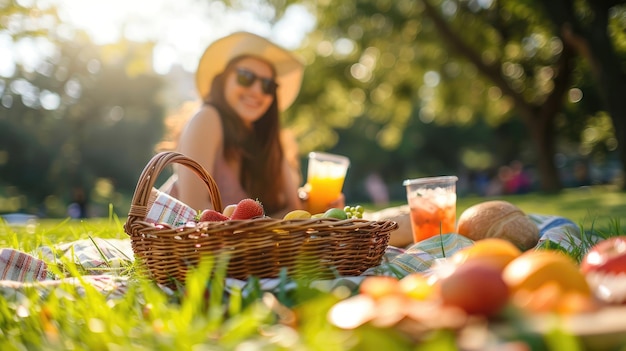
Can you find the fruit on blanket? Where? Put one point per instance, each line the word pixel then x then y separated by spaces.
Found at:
pixel 297 214
pixel 604 267
pixel 417 286
pixel 533 269
pixel 551 298
pixel 228 210
pixel 211 216
pixel 476 288
pixel 379 286
pixel 352 312
pixel 498 219
pixel 248 209
pixel 496 252
pixel 607 256
pixel 335 213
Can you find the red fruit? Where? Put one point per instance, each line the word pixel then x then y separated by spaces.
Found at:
pixel 211 216
pixel 247 209
pixel 607 256
pixel 476 288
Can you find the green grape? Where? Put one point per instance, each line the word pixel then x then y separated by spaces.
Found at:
pixel 354 211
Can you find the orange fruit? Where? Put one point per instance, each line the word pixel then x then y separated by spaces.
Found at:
pixel 549 297
pixel 417 286
pixel 543 299
pixel 534 269
pixel 493 252
pixel 380 286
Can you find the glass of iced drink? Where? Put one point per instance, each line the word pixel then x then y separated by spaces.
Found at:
pixel 432 201
pixel 325 176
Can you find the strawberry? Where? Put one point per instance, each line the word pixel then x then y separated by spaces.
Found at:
pixel 211 216
pixel 247 209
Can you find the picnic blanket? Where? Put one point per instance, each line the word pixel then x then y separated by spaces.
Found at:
pixel 103 260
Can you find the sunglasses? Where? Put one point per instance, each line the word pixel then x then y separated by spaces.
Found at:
pixel 246 78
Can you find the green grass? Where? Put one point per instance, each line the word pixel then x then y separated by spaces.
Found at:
pixel 586 206
pixel 204 317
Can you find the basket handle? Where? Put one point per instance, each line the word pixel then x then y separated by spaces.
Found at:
pixel 139 204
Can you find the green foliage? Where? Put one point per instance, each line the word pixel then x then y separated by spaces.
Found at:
pixel 454 63
pixel 105 126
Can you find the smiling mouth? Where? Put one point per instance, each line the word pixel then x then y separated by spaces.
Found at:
pixel 251 102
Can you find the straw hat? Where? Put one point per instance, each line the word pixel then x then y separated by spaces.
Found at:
pixel 288 68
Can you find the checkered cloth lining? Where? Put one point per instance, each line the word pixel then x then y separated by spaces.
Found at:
pixel 164 208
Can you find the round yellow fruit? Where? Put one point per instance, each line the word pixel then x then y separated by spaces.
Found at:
pixel 417 286
pixel 228 210
pixel 297 214
pixel 534 269
pixel 495 252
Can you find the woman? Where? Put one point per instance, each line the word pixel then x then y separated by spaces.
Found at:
pixel 244 81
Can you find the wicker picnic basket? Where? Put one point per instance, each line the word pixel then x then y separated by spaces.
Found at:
pixel 313 248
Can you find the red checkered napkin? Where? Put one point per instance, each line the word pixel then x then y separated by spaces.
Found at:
pixel 167 209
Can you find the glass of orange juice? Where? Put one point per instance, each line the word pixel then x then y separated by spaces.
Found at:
pixel 432 201
pixel 325 176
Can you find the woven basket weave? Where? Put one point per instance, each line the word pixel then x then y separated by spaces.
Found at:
pixel 314 248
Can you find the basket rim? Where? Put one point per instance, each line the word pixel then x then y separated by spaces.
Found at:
pixel 261 224
pixel 146 182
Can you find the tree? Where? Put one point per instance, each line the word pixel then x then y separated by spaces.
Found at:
pixel 455 62
pixel 80 114
pixel 595 29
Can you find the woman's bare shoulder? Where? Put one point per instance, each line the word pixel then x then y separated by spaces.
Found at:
pixel 205 121
pixel 204 128
pixel 206 114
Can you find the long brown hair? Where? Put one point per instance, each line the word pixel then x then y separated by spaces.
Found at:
pixel 260 148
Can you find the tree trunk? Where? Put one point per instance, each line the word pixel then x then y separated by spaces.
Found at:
pixel 543 135
pixel 540 122
pixel 538 119
pixel 592 42
pixel 609 75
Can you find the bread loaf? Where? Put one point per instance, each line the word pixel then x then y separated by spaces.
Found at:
pixel 401 237
pixel 498 219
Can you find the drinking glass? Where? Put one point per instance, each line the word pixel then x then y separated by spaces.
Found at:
pixel 325 176
pixel 432 201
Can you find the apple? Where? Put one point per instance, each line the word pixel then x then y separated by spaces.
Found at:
pixel 476 288
pixel 608 256
pixel 604 267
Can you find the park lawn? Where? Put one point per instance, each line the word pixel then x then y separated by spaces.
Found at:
pixel 146 318
pixel 586 206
